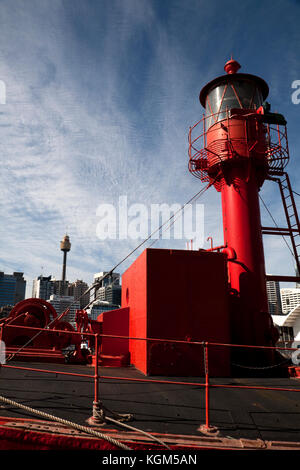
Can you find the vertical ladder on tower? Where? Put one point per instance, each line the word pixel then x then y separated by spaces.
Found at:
pixel 291 214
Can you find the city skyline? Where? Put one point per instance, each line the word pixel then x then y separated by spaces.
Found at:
pixel 99 99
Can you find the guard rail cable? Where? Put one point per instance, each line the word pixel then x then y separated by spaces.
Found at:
pixel 262 367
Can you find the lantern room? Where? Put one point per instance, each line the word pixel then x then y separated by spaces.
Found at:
pixel 236 126
pixel 232 91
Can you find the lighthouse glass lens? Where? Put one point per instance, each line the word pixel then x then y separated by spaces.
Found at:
pixel 249 96
pixel 242 94
pixel 214 99
pixel 220 99
pixel 230 100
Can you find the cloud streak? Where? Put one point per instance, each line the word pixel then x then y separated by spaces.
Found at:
pixel 100 96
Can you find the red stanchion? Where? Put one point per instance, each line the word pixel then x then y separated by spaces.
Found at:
pixel 97 418
pixel 207 428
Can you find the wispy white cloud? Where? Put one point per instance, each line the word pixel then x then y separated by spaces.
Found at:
pixel 100 96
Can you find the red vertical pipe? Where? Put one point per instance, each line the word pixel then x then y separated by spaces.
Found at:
pixel 205 351
pixel 96 376
pixel 242 231
pixel 1 336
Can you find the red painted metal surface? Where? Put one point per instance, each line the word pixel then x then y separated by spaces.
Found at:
pixel 31 434
pixel 115 322
pixel 175 298
pixel 242 232
pixel 134 296
pixel 96 375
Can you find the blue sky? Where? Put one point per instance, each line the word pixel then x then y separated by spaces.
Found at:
pixel 100 97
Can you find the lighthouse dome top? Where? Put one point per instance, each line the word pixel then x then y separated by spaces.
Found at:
pixel 231 66
pixel 232 78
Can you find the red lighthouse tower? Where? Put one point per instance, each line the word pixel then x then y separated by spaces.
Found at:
pixel 241 144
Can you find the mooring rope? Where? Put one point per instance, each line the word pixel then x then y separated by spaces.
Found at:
pixel 76 426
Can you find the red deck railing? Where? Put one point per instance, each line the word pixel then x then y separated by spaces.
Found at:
pixel 207 383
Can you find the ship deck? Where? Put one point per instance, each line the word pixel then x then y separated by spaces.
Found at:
pixel 164 408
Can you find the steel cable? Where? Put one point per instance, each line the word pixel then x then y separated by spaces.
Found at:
pixel 132 428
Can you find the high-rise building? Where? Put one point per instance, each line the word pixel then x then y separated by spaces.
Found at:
pixel 109 289
pixel 290 298
pixel 62 302
pixel 77 289
pixel 60 287
pixel 5 310
pixel 274 299
pixel 43 287
pixel 100 306
pixel 12 288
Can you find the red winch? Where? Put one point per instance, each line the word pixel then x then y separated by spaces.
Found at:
pixel 34 331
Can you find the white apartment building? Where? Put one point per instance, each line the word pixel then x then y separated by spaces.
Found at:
pixel 290 298
pixel 289 327
pixel 62 302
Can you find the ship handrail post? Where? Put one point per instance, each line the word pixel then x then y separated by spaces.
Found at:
pixel 1 346
pixel 96 376
pixel 207 428
pixel 97 417
pixel 205 351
